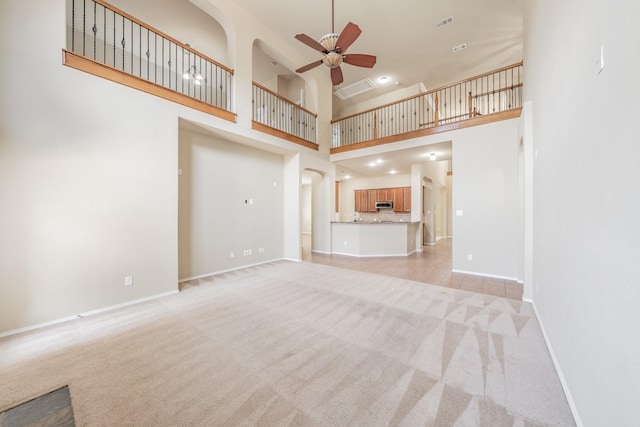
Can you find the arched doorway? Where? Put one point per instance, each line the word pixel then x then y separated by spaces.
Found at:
pixel 313 196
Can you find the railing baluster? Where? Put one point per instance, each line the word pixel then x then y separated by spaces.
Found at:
pixel 84 25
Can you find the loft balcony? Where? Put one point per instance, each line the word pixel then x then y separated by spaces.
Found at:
pixel 489 97
pixel 108 42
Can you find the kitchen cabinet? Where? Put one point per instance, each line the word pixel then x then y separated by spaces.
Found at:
pixel 407 199
pixel 357 203
pixel 398 199
pixel 365 200
pixel 373 198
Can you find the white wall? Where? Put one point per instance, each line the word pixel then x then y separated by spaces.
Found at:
pixel 231 199
pixel 88 182
pixel 203 33
pixel 485 188
pixel 88 176
pixel 587 198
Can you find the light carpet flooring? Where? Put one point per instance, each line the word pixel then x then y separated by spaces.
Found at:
pixel 296 344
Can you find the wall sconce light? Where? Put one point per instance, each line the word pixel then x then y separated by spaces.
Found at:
pixel 432 156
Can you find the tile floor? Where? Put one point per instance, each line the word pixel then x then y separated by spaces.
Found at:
pixel 432 266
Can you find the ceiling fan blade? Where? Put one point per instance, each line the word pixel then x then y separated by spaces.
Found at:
pixel 309 66
pixel 360 60
pixel 348 36
pixel 311 42
pixel 336 76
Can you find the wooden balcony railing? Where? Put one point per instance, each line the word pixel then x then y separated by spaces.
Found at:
pixel 105 41
pixel 495 95
pixel 278 116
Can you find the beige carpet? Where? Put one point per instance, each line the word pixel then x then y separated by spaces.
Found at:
pixel 296 344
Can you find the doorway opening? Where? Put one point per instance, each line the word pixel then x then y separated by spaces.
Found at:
pixel 311 199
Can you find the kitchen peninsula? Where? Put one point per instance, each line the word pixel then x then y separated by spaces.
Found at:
pixel 374 238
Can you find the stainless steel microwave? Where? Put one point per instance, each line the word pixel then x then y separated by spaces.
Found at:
pixel 384 205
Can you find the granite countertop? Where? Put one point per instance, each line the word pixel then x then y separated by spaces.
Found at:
pixel 374 222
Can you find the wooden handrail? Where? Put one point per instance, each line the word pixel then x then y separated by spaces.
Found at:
pixel 160 33
pixel 431 91
pixel 282 98
pixel 504 89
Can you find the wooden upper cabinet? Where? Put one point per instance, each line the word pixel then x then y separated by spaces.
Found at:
pixel 407 199
pixel 357 205
pixel 398 199
pixel 365 200
pixel 373 198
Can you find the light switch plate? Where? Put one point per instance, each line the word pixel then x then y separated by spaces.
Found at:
pixel 459 212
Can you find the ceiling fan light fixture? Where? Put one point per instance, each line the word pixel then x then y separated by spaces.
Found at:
pixel 332 59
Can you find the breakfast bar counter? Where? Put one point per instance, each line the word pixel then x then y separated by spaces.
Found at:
pixel 374 239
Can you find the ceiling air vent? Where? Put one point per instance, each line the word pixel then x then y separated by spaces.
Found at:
pixel 460 47
pixel 446 21
pixel 354 89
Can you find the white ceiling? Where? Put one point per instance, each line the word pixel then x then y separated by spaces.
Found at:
pixel 404 37
pixel 399 161
pixel 410 49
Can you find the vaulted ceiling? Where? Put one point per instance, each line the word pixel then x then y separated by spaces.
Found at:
pixel 403 34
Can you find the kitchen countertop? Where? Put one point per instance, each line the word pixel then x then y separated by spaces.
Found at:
pixel 374 222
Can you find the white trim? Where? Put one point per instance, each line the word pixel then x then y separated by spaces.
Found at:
pixel 202 276
pixel 306 232
pixel 291 259
pixel 494 276
pixel 565 386
pixel 374 255
pixel 321 252
pixel 85 314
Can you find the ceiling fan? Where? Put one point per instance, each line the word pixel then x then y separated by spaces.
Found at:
pixel 334 47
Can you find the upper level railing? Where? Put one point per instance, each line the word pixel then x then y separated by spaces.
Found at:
pixel 493 92
pixel 108 36
pixel 283 116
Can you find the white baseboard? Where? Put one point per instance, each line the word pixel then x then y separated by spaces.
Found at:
pixel 565 386
pixel 493 276
pixel 202 276
pixel 85 314
pixel 320 252
pixel 373 256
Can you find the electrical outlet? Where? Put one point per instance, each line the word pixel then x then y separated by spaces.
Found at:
pixel 261 250
pixel 469 257
pixel 246 252
pixel 128 280
pixel 231 255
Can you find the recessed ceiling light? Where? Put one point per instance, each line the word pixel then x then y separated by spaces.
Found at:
pixel 379 161
pixel 372 164
pixel 346 177
pixel 393 171
pixel 383 79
